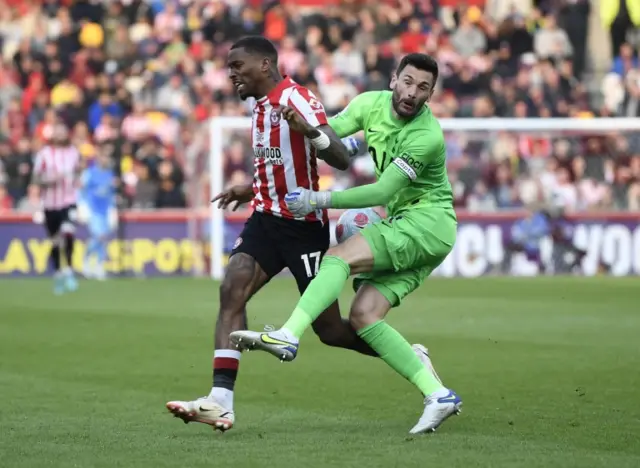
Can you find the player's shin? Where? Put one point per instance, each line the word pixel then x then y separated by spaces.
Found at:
pixel 398 354
pixel 69 243
pixel 321 292
pixel 88 255
pixel 101 251
pixel 54 256
pixel 341 334
pixel 92 248
pixel 101 257
pixel 71 284
pixel 225 371
pixel 242 279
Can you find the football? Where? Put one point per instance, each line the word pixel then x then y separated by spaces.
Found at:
pixel 351 221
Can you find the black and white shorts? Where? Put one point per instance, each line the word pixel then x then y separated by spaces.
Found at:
pixel 279 243
pixel 60 221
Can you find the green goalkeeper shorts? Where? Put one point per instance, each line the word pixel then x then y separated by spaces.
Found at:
pixel 406 249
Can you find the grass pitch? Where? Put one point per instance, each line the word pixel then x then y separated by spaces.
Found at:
pixel 549 370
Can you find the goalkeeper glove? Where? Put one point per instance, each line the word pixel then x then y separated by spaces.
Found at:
pixel 352 146
pixel 302 201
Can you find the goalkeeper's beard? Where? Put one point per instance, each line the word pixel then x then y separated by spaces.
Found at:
pixel 396 100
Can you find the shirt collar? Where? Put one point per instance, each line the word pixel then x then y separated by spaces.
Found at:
pixel 275 92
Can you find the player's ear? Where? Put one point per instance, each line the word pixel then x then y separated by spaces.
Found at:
pixel 266 65
pixel 394 80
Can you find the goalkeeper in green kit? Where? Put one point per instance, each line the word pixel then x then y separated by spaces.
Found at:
pixel 393 257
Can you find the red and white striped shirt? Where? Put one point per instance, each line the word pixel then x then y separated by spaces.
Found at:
pixel 52 162
pixel 284 159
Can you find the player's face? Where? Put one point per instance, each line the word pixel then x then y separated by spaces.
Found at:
pixel 411 89
pixel 246 71
pixel 60 134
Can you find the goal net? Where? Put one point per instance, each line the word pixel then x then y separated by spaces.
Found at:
pixel 499 169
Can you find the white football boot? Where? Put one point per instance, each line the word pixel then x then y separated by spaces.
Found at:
pixel 203 410
pixel 438 407
pixel 88 270
pixel 99 273
pixel 281 344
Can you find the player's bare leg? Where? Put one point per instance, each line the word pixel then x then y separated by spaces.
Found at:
pixel 335 331
pixel 243 279
pixel 68 233
pixel 354 254
pixel 54 258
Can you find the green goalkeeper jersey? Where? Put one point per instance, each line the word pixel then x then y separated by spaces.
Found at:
pixel 415 147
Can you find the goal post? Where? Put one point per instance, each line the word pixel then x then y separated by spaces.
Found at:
pixel 216 171
pixel 222 127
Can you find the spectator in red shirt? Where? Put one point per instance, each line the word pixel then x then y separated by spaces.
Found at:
pixel 6 202
pixel 414 39
pixel 14 122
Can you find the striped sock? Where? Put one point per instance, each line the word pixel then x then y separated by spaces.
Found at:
pixel 225 372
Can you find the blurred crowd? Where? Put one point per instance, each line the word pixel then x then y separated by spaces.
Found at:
pixel 139 79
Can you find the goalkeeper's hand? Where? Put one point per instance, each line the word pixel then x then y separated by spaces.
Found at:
pixel 352 146
pixel 302 201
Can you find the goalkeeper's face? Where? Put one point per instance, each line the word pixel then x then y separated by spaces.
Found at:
pixel 412 88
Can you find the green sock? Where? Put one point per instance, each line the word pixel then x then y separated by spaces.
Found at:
pixel 398 354
pixel 320 294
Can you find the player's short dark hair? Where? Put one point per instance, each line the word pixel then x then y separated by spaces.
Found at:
pixel 421 62
pixel 259 46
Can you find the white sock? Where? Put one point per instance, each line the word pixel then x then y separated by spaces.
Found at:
pixel 224 396
pixel 66 270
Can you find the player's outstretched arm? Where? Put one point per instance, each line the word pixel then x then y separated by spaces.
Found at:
pixel 302 201
pixel 379 193
pixel 415 156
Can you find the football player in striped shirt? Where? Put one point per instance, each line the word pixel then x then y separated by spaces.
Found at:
pixel 56 170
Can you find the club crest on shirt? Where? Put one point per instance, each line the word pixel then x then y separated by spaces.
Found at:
pixel 315 104
pixel 275 118
pixel 237 243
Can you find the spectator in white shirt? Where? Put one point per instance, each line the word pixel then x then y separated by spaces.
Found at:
pixel 168 22
pixel 290 58
pixel 468 40
pixel 550 41
pixel 348 62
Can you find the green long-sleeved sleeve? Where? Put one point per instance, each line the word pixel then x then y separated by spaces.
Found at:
pixel 377 194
